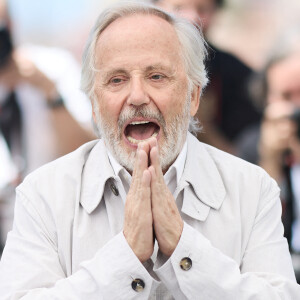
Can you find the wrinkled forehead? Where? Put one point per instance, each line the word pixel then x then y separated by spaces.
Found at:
pixel 139 22
pixel 138 33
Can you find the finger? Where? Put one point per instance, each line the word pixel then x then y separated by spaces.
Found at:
pixel 136 162
pixel 155 162
pixel 157 189
pixel 145 146
pixel 146 190
pixel 141 164
pixel 152 142
pixel 146 181
pixel 152 172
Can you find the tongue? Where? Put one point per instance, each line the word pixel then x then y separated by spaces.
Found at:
pixel 141 131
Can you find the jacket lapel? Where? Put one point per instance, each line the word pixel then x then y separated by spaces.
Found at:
pixel 96 172
pixel 203 185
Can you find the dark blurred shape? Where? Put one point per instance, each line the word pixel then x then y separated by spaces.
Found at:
pixel 6 46
pixel 296 118
pixel 10 119
pixel 229 79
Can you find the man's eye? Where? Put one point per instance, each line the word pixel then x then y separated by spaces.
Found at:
pixel 157 77
pixel 116 80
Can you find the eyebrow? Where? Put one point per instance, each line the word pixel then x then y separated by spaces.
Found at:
pixel 150 68
pixel 168 70
pixel 110 73
pixel 155 67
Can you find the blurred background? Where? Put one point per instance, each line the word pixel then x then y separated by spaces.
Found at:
pixel 246 28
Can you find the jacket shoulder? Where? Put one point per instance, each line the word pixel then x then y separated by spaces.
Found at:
pixel 238 172
pixel 67 168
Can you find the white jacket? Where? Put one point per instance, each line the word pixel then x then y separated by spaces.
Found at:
pixel 67 240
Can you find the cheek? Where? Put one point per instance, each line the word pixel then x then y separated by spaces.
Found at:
pixel 109 108
pixel 173 100
pixel 179 98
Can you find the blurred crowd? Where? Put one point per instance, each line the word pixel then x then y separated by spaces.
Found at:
pixel 252 114
pixel 43 114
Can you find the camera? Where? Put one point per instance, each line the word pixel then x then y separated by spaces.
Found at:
pixel 296 118
pixel 6 46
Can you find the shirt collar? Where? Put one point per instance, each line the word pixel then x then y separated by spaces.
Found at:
pixel 116 166
pixel 176 167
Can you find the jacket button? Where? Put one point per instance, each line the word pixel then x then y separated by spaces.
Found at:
pixel 114 189
pixel 138 285
pixel 186 263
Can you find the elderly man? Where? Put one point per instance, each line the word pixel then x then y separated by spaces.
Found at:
pixel 147 212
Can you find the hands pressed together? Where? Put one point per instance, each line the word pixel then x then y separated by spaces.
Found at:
pixel 150 210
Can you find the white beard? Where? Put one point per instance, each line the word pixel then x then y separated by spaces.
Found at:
pixel 174 133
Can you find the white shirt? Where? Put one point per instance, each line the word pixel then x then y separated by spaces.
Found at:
pixel 67 240
pixel 172 176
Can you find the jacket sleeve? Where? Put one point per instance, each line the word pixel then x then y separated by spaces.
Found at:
pixel 31 269
pixel 265 270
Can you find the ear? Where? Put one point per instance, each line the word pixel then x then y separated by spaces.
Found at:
pixel 95 109
pixel 195 100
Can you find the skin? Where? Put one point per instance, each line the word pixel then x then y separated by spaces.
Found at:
pixel 278 132
pixel 19 69
pixel 138 69
pixel 142 66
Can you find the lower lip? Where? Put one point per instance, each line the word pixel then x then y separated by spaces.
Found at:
pixel 134 146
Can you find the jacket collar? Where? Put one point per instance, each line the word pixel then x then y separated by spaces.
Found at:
pixel 205 185
pixel 96 172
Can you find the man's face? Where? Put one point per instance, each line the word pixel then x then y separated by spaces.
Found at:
pixel 141 88
pixel 200 12
pixel 284 81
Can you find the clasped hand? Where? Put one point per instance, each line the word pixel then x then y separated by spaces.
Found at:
pixel 150 210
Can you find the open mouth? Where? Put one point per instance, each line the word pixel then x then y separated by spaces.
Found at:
pixel 141 130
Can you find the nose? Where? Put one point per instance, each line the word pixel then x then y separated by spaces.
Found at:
pixel 137 94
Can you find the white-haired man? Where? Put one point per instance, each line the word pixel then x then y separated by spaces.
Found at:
pixel 147 212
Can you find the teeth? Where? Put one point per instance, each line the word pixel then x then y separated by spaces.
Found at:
pixel 139 122
pixel 134 141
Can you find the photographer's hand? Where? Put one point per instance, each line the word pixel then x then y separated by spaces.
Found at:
pixel 28 72
pixel 276 135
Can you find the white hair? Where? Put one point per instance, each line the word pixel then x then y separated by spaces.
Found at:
pixel 190 37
